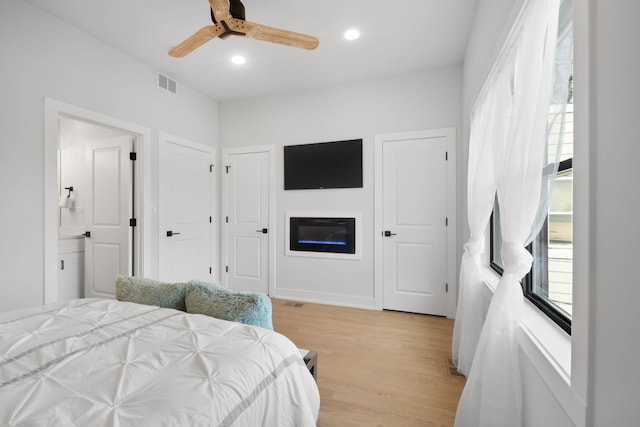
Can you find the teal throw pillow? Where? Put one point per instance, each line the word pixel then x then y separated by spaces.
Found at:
pixel 244 307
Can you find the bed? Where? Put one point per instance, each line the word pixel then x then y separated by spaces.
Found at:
pixel 99 362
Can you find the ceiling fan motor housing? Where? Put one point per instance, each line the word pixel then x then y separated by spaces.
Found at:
pixel 236 9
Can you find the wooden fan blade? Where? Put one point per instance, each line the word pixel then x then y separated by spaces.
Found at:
pixel 220 9
pixel 276 35
pixel 199 38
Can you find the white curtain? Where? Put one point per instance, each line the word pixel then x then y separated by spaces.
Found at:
pixel 517 98
pixel 481 189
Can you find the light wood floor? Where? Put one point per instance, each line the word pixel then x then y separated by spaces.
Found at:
pixel 376 368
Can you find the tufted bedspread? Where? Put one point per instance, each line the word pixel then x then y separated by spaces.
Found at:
pixel 96 362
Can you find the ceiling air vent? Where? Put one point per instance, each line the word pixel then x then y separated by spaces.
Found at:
pixel 167 83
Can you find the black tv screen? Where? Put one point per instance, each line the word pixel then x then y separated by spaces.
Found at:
pixel 323 165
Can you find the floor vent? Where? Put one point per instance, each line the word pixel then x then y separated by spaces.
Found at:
pixel 167 83
pixel 452 371
pixel 294 304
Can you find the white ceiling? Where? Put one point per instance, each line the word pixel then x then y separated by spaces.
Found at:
pixel 398 36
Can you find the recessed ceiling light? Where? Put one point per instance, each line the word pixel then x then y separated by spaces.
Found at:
pixel 352 34
pixel 238 59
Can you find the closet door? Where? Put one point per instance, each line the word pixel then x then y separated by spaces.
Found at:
pixel 185 217
pixel 247 221
pixel 414 222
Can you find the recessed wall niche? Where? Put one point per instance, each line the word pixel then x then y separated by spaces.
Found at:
pixel 324 234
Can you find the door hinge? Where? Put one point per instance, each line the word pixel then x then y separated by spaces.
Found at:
pixel 210 220
pixel 446 287
pixel 446 155
pixel 227 168
pixel 226 269
pixel 226 219
pixel 446 222
pixel 133 156
pixel 133 222
pixel 209 270
pixel 210 168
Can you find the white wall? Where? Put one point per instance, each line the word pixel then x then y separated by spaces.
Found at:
pixel 546 410
pixel 43 57
pixel 614 374
pixel 605 378
pixel 425 100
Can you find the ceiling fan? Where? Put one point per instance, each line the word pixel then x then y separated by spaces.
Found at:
pixel 229 20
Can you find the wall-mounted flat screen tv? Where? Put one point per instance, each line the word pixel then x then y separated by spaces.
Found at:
pixel 335 164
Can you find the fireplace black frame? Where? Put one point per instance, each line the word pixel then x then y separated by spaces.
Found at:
pixel 321 234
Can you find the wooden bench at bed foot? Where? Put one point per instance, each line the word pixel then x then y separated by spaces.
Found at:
pixel 310 357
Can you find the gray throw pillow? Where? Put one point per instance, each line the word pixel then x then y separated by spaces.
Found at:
pixel 151 292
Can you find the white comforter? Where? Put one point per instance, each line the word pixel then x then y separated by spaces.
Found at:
pixel 93 362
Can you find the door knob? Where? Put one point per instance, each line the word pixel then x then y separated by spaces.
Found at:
pixel 171 233
pixel 263 231
pixel 388 233
pixel 87 234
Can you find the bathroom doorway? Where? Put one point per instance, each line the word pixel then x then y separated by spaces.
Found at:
pixel 95 176
pixel 104 160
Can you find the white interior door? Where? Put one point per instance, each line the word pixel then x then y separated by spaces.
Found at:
pixel 185 216
pixel 108 211
pixel 247 221
pixel 414 217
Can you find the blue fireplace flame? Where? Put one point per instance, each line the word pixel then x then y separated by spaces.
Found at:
pixel 321 242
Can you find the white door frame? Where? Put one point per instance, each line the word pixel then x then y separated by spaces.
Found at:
pixel 172 139
pixel 53 110
pixel 270 149
pixel 450 135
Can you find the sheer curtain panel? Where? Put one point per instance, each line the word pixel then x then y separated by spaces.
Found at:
pixel 520 87
pixel 481 189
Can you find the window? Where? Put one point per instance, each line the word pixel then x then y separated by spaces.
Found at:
pixel 549 284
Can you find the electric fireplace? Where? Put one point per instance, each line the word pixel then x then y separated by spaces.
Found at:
pixel 322 234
